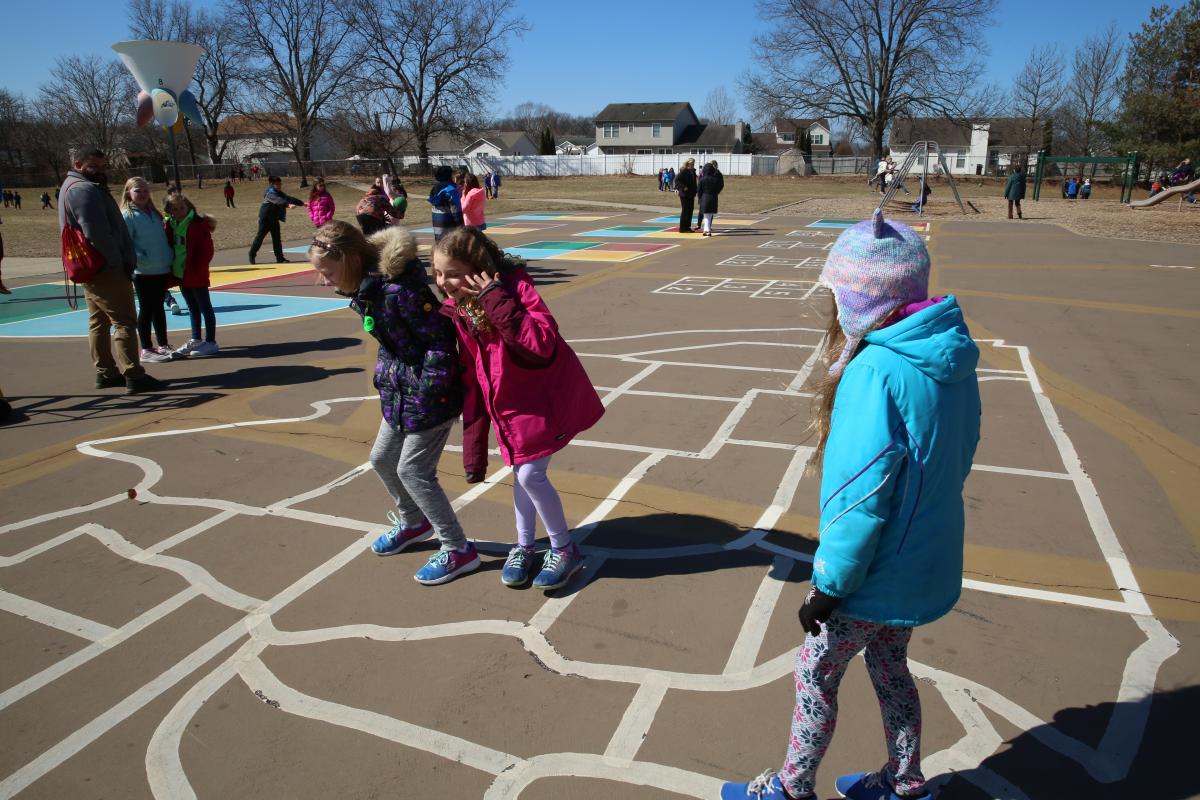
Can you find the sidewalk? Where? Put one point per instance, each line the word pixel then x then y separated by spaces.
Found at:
pixel 26 267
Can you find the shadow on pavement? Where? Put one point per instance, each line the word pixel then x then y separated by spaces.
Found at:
pixel 34 410
pixel 250 377
pixel 282 349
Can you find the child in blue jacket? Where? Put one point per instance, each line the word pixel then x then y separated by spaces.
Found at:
pixel 446 201
pixel 898 423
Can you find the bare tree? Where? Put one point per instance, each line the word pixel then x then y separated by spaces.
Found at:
pixel 93 96
pixel 867 60
pixel 719 107
pixel 300 59
pixel 1036 93
pixel 1091 93
pixel 422 67
pixel 220 71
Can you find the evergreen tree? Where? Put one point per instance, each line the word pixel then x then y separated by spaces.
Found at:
pixel 546 144
pixel 1160 89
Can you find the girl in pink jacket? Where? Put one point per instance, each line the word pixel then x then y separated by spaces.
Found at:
pixel 473 201
pixel 523 377
pixel 320 203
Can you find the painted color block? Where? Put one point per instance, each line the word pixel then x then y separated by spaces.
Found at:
pixel 558 245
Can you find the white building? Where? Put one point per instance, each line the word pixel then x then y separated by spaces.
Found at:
pixel 985 147
pixel 268 139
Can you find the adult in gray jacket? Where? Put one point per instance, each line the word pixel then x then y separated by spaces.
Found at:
pixel 87 206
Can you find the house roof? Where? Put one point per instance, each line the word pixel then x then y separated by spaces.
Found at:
pixel 265 124
pixel 784 125
pixel 955 133
pixel 708 136
pixel 505 141
pixel 651 112
pixel 769 144
pixel 578 141
pixel 1012 132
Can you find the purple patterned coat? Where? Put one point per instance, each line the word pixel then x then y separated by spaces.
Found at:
pixel 417 371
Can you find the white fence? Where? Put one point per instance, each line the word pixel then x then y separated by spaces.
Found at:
pixel 562 165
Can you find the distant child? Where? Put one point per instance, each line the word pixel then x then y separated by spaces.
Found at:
pixel 446 202
pixel 320 203
pixel 1072 189
pixel 1085 191
pixel 191 236
pixel 495 185
pixel 709 188
pixel 418 374
pixel 1014 190
pixel 271 214
pixel 897 424
pixel 474 201
pixel 1156 187
pixel 45 198
pixel 919 206
pixel 522 376
pixel 397 195
pixel 17 200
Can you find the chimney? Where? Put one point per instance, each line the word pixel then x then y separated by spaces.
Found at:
pixel 739 136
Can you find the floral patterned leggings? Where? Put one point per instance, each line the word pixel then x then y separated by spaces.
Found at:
pixel 820 665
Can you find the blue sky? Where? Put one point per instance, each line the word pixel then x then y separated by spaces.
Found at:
pixel 576 58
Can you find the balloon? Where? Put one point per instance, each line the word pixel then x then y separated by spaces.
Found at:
pixel 178 126
pixel 160 65
pixel 190 108
pixel 166 108
pixel 145 109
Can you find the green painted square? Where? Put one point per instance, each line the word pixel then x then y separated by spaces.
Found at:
pixel 31 302
pixel 558 245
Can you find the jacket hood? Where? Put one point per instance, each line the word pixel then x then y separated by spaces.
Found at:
pixel 935 340
pixel 397 247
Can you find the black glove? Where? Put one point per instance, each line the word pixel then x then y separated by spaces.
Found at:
pixel 475 477
pixel 816 609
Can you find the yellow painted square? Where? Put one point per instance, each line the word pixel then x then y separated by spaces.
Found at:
pixel 505 229
pixel 669 235
pixel 592 255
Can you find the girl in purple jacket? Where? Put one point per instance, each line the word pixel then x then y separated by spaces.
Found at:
pixel 523 377
pixel 417 375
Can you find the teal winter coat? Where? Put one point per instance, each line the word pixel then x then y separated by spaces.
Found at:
pixel 903 434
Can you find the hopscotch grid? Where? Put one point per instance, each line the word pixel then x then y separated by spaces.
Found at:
pixel 260 620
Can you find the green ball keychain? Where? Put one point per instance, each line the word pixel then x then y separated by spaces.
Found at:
pixel 368 323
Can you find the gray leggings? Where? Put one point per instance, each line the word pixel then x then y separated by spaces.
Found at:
pixel 407 465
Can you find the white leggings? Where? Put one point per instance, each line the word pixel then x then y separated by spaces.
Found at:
pixel 707 228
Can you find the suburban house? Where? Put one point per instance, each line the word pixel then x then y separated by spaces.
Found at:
pixel 788 134
pixel 486 143
pixel 575 145
pixel 987 146
pixel 663 128
pixel 266 138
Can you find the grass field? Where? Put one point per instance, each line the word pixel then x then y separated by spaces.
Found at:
pixel 31 232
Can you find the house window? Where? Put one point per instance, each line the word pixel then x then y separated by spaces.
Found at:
pixel 629 127
pixel 787 137
pixel 664 151
pixel 818 138
pixel 611 130
pixel 656 130
pixel 960 159
pixel 702 151
pixel 645 151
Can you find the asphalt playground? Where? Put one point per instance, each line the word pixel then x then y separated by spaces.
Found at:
pixel 188 605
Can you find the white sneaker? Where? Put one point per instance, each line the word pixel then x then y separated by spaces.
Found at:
pixel 177 310
pixel 187 349
pixel 204 349
pixel 153 357
pixel 166 350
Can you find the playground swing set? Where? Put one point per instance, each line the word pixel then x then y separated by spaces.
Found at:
pixel 1129 171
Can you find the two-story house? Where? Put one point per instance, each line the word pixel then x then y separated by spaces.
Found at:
pixel 986 146
pixel 662 129
pixel 787 136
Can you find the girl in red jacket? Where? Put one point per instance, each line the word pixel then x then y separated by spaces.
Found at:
pixel 191 234
pixel 522 376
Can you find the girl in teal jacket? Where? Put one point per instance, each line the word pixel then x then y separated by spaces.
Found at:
pixel 898 423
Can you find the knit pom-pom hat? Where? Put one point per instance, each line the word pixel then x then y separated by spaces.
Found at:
pixel 873 268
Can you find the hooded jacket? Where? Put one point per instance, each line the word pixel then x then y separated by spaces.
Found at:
pixel 153 249
pixel 320 208
pixel 417 371
pixel 902 438
pixel 521 375
pixel 199 244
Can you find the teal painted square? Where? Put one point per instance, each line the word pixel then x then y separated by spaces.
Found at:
pixel 558 245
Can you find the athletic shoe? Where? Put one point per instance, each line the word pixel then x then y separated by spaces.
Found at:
pixel 400 537
pixel 765 787
pixel 187 349
pixel 870 786
pixel 518 567
pixel 204 349
pixel 446 565
pixel 109 381
pixel 558 568
pixel 143 383
pixel 153 356
pixel 177 310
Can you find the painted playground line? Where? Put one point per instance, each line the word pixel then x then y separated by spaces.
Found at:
pixel 1106 756
pixel 232 308
pixel 619 252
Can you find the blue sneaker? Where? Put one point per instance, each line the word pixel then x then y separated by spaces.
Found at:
pixel 446 565
pixel 870 786
pixel 558 568
pixel 765 787
pixel 518 567
pixel 400 537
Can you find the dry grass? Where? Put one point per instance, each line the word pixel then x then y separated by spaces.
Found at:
pixel 31 232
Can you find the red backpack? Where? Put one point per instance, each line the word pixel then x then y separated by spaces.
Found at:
pixel 81 261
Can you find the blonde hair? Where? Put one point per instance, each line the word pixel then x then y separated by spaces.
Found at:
pixel 127 200
pixel 472 247
pixel 350 241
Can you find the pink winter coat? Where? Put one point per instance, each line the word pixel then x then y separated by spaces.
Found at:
pixel 473 202
pixel 320 208
pixel 522 376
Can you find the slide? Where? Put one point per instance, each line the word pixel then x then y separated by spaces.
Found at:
pixel 1174 191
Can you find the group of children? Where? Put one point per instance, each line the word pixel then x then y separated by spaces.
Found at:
pixel 1077 188
pixel 897 424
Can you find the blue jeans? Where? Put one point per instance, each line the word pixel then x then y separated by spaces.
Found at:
pixel 198 302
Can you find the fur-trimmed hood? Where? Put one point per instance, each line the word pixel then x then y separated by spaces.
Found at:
pixel 397 247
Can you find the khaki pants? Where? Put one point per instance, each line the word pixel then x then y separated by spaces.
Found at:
pixel 110 303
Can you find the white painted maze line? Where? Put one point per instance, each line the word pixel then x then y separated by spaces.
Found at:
pixel 54 617
pixel 1109 762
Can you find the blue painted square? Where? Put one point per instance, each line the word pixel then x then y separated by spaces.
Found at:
pixel 534 253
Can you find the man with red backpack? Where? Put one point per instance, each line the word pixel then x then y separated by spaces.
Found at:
pixel 87 207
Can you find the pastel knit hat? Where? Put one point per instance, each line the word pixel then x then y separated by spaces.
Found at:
pixel 874 267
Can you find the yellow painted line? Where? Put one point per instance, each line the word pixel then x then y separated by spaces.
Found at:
pixel 1100 305
pixel 586 255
